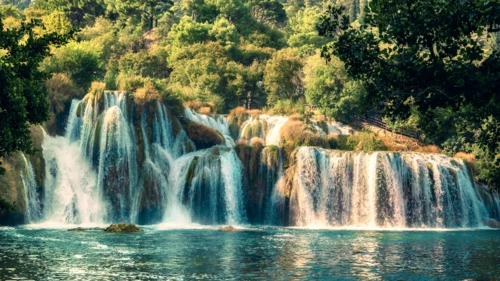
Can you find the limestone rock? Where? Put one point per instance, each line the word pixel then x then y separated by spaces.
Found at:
pixel 123 227
pixel 77 229
pixel 228 229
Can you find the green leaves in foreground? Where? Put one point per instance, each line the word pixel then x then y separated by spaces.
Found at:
pixel 432 57
pixel 22 99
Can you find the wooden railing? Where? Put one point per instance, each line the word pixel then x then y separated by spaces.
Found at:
pixel 378 122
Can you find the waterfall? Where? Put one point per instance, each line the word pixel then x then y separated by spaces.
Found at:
pixel 33 210
pixel 206 188
pixel 268 127
pixel 216 122
pixel 383 190
pixel 264 126
pixel 71 193
pixel 275 179
pixel 125 161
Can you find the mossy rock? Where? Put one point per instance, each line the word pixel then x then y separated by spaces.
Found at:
pixel 201 135
pixel 123 228
pixel 77 229
pixel 228 229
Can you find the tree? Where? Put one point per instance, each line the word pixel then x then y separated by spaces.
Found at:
pixel 425 55
pixel 330 89
pixel 303 33
pixel 270 12
pixel 20 4
pixel 81 61
pixel 188 31
pixel 22 99
pixel 148 11
pixel 282 76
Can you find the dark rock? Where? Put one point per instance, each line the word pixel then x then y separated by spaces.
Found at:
pixel 201 135
pixel 123 227
pixel 228 229
pixel 492 223
pixel 78 229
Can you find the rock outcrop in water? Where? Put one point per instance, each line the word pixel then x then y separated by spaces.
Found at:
pixel 123 228
pixel 130 158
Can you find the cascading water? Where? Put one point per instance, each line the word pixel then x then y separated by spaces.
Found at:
pixel 268 128
pixel 119 161
pixel 387 190
pixel 125 161
pixel 33 209
pixel 207 183
pixel 264 126
pixel 216 122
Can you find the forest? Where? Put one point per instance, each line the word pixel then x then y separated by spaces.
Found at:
pixel 431 67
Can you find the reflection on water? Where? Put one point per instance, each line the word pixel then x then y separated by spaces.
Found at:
pixel 250 254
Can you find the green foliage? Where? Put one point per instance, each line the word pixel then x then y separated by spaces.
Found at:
pixel 224 32
pixel 188 31
pixel 22 98
pixel 453 145
pixel 302 30
pixel 269 12
pixel 365 141
pixel 287 107
pixel 147 12
pixel 81 61
pixel 144 63
pixel 282 76
pixel 429 57
pixel 19 4
pixel 330 89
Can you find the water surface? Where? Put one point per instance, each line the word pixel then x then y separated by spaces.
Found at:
pixel 250 254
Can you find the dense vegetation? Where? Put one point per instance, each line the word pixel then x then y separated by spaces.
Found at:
pixel 430 66
pixel 435 64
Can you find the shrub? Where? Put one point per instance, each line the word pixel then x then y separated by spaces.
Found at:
pixel 61 89
pixel 364 141
pixel 287 107
pixel 79 60
pixel 430 149
pixel 146 94
pixel 453 145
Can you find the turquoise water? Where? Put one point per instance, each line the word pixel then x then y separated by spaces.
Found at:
pixel 250 254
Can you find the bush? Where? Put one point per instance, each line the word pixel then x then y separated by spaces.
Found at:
pixel 287 107
pixel 454 145
pixel 364 141
pixel 146 94
pixel 61 89
pixel 79 60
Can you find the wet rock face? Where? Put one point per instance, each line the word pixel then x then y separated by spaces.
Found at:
pixel 492 223
pixel 123 228
pixel 202 136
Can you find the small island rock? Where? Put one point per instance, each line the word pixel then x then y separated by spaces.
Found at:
pixel 79 229
pixel 492 223
pixel 123 227
pixel 227 229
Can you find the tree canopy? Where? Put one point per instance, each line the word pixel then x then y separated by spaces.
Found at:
pixel 23 101
pixel 431 56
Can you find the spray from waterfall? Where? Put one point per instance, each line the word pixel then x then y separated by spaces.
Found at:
pixel 384 190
